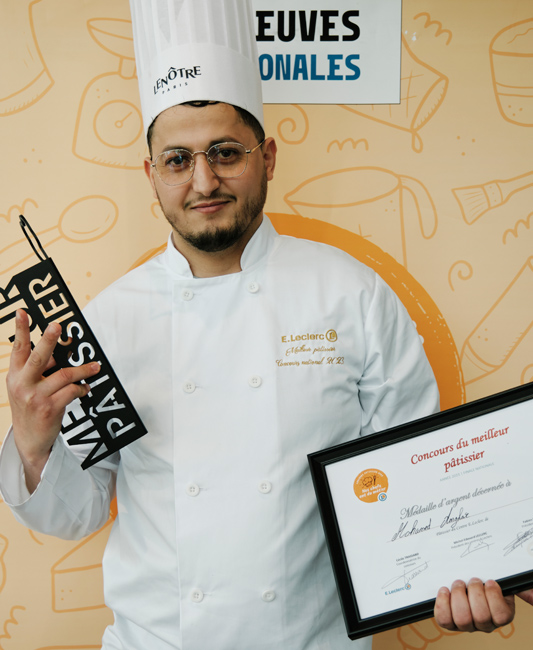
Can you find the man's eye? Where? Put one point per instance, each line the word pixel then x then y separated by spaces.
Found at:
pixel 225 155
pixel 176 160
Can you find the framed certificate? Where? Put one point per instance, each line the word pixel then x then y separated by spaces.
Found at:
pixel 413 508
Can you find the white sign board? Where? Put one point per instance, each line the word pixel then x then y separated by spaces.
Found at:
pixel 329 51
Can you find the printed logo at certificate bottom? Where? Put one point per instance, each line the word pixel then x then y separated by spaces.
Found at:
pixel 371 485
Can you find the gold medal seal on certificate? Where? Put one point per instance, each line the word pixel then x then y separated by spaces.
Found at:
pixel 371 485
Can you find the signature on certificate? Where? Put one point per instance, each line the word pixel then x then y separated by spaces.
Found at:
pixel 474 546
pixel 415 529
pixel 453 521
pixel 407 577
pixel 521 538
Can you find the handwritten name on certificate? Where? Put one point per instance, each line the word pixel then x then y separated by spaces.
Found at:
pixel 425 511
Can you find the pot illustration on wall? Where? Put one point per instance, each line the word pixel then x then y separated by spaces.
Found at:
pixel 369 201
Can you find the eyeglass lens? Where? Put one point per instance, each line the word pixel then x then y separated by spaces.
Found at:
pixel 228 159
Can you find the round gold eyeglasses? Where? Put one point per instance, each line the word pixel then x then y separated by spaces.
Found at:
pixel 226 160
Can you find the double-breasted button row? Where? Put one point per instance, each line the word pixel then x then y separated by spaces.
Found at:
pixel 254 381
pixel 197 595
pixel 188 294
pixel 193 490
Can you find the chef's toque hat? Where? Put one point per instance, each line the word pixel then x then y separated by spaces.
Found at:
pixel 195 50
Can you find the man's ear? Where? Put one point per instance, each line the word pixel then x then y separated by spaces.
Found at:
pixel 149 171
pixel 269 150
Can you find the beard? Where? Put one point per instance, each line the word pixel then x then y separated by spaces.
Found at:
pixel 216 239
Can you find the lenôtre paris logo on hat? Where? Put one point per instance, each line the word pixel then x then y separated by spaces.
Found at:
pixel 175 78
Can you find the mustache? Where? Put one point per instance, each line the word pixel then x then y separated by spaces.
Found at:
pixel 216 196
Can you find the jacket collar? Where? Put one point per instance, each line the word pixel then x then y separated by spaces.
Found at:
pixel 261 242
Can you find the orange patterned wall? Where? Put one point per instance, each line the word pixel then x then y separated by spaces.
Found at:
pixel 435 193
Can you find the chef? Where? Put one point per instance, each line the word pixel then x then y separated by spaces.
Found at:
pixel 243 351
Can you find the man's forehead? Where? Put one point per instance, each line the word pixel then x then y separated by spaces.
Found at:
pixel 206 114
pixel 210 122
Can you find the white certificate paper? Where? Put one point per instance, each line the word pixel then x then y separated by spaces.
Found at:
pixel 452 503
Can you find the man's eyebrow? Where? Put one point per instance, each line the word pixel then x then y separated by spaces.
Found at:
pixel 221 140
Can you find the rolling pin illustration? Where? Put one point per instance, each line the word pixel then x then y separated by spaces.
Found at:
pixel 83 221
pixel 475 201
pixel 496 336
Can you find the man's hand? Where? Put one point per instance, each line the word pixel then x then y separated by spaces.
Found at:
pixel 476 606
pixel 38 403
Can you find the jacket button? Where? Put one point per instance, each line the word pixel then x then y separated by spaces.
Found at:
pixel 265 487
pixel 268 595
pixel 255 381
pixel 197 595
pixel 253 287
pixel 189 386
pixel 187 294
pixel 192 490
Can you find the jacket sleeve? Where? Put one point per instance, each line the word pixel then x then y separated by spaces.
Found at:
pixel 398 384
pixel 68 502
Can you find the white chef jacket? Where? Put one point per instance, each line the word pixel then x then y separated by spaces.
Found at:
pixel 218 543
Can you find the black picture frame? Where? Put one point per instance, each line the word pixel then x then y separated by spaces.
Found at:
pixel 357 626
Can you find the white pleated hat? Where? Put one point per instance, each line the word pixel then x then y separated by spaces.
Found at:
pixel 196 50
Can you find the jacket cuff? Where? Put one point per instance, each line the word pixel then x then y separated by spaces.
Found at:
pixel 12 479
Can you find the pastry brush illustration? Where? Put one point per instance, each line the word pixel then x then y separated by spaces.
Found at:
pixel 476 200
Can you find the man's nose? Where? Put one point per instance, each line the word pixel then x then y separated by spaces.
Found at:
pixel 204 180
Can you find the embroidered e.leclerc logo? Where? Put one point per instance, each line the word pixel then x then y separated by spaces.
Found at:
pixel 330 335
pixel 105 417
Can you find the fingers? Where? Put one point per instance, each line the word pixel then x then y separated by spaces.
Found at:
pixel 502 608
pixel 21 345
pixel 61 388
pixel 443 610
pixel 37 400
pixel 470 609
pixel 476 607
pixel 64 377
pixel 40 357
pixel 452 608
pixel 38 360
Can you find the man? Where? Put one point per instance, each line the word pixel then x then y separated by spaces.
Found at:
pixel 217 541
pixel 213 220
